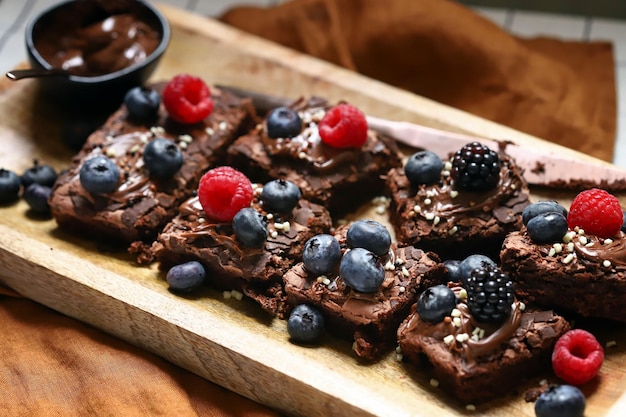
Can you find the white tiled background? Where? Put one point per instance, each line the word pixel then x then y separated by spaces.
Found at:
pixel 15 13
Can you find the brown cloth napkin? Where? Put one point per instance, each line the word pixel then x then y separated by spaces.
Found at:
pixel 53 365
pixel 560 91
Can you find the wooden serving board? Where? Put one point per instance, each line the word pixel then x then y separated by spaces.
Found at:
pixel 227 341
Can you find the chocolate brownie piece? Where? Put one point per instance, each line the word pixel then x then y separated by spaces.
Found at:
pixel 476 364
pixel 369 319
pixel 257 272
pixel 142 205
pixel 582 274
pixel 453 222
pixel 340 179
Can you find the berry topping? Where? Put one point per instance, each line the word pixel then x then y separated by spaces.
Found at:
pixel 577 357
pixel 250 228
pixel 280 196
pixel 9 186
pixel 370 235
pixel 223 191
pixel 624 224
pixel 99 175
pixel 283 122
pixel 545 206
pixel 361 270
pixel 142 103
pixel 162 158
pixel 305 324
pixel 597 212
pixel 475 167
pixel 423 168
pixel 547 227
pixel 321 254
pixel 435 303
pixel 472 262
pixel 40 174
pixel 343 126
pixel 560 401
pixel 186 277
pixel 187 99
pixel 453 270
pixel 36 196
pixel 489 294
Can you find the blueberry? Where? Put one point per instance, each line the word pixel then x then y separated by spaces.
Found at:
pixel 321 254
pixel 36 196
pixel 472 262
pixel 453 272
pixel 370 235
pixel 560 401
pixel 423 167
pixel 435 303
pixel 544 206
pixel 99 175
pixel 547 227
pixel 40 174
pixel 186 277
pixel 624 222
pixel 283 122
pixel 250 228
pixel 10 185
pixel 162 157
pixel 305 324
pixel 361 270
pixel 280 196
pixel 142 103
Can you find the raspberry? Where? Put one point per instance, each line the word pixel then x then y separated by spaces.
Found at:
pixel 597 212
pixel 577 357
pixel 343 126
pixel 187 99
pixel 223 191
pixel 475 167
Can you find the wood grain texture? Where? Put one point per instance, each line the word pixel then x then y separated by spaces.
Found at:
pixel 227 341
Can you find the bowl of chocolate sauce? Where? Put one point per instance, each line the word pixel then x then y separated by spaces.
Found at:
pixel 105 47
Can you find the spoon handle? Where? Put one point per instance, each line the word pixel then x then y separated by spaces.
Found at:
pixel 19 74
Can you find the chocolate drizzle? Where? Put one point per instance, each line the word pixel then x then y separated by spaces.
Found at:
pixel 473 347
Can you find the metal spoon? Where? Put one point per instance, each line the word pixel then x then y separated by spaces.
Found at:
pixel 19 74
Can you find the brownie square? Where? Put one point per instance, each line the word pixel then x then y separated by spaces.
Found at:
pixel 369 319
pixel 583 274
pixel 257 272
pixel 457 223
pixel 142 205
pixel 340 179
pixel 475 369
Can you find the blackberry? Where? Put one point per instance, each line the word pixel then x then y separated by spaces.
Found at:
pixel 475 167
pixel 489 294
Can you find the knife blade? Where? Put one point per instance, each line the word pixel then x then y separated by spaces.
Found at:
pixel 542 167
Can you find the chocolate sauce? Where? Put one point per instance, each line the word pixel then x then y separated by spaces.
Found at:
pixel 472 348
pixel 102 47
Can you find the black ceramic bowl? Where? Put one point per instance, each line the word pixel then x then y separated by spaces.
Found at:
pixel 50 35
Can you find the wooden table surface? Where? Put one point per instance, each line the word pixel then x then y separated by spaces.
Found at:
pixel 228 341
